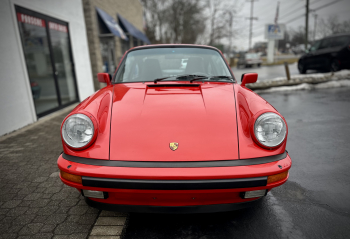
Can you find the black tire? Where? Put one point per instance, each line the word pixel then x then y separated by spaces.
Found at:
pixel 259 65
pixel 301 67
pixel 334 65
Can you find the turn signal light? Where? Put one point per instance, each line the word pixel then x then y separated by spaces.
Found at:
pixel 277 177
pixel 71 177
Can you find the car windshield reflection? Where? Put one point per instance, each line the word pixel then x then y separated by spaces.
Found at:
pixel 144 65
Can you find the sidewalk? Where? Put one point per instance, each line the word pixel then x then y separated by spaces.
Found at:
pixel 34 203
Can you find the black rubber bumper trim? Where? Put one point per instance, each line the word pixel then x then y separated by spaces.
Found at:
pixel 170 209
pixel 174 184
pixel 186 164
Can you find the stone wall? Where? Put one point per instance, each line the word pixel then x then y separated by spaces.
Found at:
pixel 131 10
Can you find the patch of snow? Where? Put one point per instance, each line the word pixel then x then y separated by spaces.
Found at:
pixel 333 84
pixel 314 75
pixel 306 86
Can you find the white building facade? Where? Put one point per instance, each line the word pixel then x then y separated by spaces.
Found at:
pixel 45 63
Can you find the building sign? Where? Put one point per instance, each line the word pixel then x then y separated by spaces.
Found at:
pixel 274 31
pixel 58 27
pixel 30 20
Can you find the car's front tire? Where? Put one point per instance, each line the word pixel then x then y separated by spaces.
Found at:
pixel 334 65
pixel 301 67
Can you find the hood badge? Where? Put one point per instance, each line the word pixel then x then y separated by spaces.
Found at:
pixel 173 146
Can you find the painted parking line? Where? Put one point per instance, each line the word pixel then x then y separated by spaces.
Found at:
pixel 108 225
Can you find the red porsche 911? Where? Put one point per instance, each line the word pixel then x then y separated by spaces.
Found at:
pixel 161 137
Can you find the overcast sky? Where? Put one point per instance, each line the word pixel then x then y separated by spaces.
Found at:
pixel 265 10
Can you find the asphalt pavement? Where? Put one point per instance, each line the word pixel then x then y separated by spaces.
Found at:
pixel 315 201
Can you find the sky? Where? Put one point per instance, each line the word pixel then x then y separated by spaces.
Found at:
pixel 265 11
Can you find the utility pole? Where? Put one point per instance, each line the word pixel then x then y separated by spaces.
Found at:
pixel 230 23
pixel 306 24
pixel 251 18
pixel 315 16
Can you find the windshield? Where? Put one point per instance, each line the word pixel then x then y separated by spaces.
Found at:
pixel 315 46
pixel 150 64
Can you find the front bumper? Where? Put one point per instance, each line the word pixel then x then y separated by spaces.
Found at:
pixel 168 189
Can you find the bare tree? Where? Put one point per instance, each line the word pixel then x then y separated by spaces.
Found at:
pixel 221 23
pixel 331 26
pixel 191 21
pixel 174 21
pixel 218 22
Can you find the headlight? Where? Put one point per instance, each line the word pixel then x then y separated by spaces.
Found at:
pixel 78 130
pixel 270 129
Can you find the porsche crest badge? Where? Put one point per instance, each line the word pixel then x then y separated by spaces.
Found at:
pixel 173 146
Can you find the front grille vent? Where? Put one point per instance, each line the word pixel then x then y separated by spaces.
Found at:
pixel 173 85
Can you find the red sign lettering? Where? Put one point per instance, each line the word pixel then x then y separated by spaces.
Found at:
pixel 58 27
pixel 30 20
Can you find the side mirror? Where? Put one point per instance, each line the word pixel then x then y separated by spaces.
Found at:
pixel 248 78
pixel 104 78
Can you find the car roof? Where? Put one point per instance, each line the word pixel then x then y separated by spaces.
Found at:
pixel 173 45
pixel 338 35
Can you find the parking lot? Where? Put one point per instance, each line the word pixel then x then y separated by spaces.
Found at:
pixel 314 203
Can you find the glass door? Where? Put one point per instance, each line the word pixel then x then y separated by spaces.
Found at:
pixel 63 62
pixel 47 54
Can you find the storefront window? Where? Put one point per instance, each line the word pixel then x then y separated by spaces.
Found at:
pixel 108 51
pixel 38 61
pixel 136 41
pixel 125 45
pixel 49 63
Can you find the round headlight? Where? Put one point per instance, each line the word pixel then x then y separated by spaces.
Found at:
pixel 270 129
pixel 77 130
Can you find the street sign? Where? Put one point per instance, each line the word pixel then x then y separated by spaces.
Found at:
pixel 274 31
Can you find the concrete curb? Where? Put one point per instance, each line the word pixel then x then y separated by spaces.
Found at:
pixel 297 80
pixel 108 225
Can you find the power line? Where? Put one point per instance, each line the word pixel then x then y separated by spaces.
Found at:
pixel 294 10
pixel 311 10
pixel 282 6
pixel 268 6
pixel 326 5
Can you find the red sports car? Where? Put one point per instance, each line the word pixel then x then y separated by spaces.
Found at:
pixel 164 138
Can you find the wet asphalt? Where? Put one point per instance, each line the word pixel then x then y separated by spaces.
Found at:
pixel 315 201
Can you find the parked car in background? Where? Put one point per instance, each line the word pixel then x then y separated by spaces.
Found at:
pixel 249 60
pixel 328 54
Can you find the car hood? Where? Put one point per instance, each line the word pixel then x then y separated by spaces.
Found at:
pixel 201 119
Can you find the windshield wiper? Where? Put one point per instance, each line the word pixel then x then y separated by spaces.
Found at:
pixel 179 77
pixel 160 79
pixel 211 77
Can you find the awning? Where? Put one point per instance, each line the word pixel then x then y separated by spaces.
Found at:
pixel 132 30
pixel 111 24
